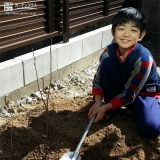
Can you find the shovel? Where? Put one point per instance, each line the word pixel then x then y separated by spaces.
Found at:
pixel 75 155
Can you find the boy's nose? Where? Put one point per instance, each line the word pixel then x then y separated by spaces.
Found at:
pixel 126 33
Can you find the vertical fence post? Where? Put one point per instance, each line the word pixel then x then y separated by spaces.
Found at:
pixel 139 4
pixel 65 20
pixel 106 7
pixel 50 16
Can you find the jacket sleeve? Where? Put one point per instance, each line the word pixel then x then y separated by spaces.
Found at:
pixel 136 81
pixel 97 89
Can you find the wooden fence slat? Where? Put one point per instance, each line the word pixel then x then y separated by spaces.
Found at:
pixel 50 16
pixel 106 7
pixel 55 17
pixel 65 20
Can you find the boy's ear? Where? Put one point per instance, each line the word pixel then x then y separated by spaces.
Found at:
pixel 142 35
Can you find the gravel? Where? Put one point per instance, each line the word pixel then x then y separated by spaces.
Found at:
pixel 76 84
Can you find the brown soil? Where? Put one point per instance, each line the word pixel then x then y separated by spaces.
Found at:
pixel 41 134
pixel 26 138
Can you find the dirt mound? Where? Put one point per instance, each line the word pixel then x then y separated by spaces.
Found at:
pixel 42 134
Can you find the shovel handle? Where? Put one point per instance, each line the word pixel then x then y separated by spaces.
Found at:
pixel 84 135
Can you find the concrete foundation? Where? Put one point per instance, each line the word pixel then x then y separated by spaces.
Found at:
pixel 18 75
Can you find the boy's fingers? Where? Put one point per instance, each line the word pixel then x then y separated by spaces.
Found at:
pixel 96 119
pixel 90 111
pixel 92 115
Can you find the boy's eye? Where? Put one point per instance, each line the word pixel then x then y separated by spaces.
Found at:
pixel 133 30
pixel 120 29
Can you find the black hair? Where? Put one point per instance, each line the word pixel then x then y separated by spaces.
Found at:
pixel 130 14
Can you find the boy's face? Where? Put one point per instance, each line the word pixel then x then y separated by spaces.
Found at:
pixel 127 35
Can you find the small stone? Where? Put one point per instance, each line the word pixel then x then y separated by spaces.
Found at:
pixel 11 110
pixel 5 107
pixel 49 91
pixel 55 88
pixel 44 98
pixel 29 100
pixel 82 81
pixel 69 93
pixel 23 105
pixel 47 87
pixel 34 100
pixel 7 114
pixel 60 86
pixel 8 102
pixel 20 110
pixel 54 84
pixel 11 104
pixel 19 103
pixel 44 136
pixel 24 100
pixel 118 144
pixel 89 93
pixel 123 107
pixel 36 94
pixel 3 121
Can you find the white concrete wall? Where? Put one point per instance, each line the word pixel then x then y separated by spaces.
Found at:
pixel 11 76
pixel 20 71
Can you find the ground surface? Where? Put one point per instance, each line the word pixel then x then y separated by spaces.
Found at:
pixel 41 134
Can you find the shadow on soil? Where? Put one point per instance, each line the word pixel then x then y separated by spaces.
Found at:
pixel 105 140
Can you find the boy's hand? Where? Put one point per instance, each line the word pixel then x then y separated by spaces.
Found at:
pixel 99 111
pixel 98 103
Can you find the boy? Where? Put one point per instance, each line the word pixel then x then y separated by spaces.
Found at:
pixel 127 74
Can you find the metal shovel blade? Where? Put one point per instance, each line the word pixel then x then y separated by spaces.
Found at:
pixel 69 156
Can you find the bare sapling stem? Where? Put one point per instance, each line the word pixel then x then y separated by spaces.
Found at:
pixel 38 79
pixel 12 138
pixel 48 94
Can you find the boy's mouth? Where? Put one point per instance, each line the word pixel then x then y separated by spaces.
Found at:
pixel 125 41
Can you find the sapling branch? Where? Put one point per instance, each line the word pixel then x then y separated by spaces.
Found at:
pixel 12 138
pixel 38 80
pixel 48 97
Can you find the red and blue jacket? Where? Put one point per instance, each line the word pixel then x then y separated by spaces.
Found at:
pixel 139 72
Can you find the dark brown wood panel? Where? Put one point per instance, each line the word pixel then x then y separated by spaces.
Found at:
pixel 41 18
pixel 26 20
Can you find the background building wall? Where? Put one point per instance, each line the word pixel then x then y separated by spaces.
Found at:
pixel 151 8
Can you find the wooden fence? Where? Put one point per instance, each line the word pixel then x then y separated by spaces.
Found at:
pixel 23 22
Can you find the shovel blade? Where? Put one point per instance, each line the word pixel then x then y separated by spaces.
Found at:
pixel 69 156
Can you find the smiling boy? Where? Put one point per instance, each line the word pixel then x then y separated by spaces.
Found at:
pixel 127 74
